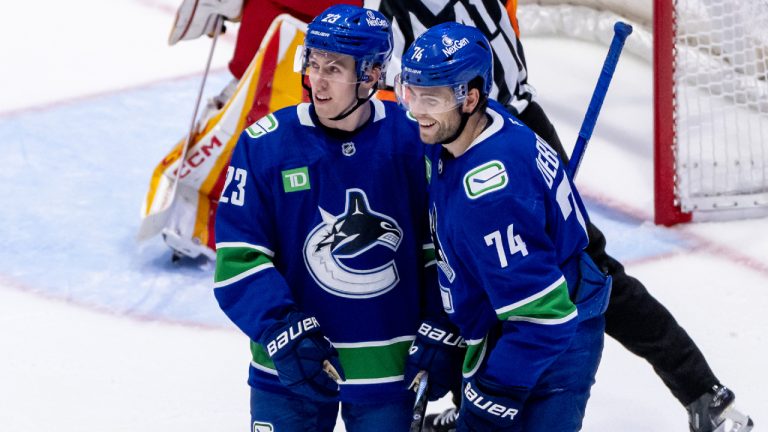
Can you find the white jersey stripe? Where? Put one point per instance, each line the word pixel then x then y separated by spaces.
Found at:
pixel 372 380
pixel 370 344
pixel 565 319
pixel 263 368
pixel 243 275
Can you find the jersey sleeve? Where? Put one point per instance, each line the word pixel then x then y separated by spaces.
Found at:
pixel 250 291
pixel 514 262
pixel 432 305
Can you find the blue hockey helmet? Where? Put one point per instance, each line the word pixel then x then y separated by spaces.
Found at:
pixel 363 34
pixel 447 55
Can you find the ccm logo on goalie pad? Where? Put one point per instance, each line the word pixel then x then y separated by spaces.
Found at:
pixel 290 334
pixel 487 405
pixel 441 336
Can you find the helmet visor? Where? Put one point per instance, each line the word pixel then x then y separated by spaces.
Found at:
pixel 429 99
pixel 318 64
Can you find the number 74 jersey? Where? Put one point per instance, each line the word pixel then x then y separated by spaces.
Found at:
pixel 508 228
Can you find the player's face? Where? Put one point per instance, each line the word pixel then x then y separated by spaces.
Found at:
pixel 333 80
pixel 437 112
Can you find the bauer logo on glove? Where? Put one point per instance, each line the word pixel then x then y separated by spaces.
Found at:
pixel 291 333
pixel 306 361
pixel 440 335
pixel 484 403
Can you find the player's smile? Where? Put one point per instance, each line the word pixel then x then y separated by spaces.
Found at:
pixel 431 130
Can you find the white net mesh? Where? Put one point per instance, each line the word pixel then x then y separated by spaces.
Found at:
pixel 721 87
pixel 722 104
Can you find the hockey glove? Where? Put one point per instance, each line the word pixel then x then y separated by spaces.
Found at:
pixel 485 406
pixel 439 350
pixel 299 351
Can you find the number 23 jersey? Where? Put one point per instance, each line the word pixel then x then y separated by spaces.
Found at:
pixel 334 225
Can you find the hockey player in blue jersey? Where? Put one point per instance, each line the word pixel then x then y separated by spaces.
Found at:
pixel 509 230
pixel 321 238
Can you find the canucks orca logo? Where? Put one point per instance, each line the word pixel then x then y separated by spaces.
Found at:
pixel 442 260
pixel 337 242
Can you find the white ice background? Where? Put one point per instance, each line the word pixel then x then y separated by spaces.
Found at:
pixel 98 333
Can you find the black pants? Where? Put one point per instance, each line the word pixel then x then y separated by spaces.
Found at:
pixel 634 317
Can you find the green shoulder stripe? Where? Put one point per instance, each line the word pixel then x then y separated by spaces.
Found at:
pixel 550 306
pixel 238 261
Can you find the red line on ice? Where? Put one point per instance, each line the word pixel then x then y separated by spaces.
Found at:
pixel 701 244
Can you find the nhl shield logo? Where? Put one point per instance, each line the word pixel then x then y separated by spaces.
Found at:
pixel 348 148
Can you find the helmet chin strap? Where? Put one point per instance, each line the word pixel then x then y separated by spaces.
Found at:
pixel 344 114
pixel 464 118
pixel 460 129
pixel 358 104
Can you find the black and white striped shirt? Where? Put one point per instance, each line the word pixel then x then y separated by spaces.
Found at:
pixel 410 18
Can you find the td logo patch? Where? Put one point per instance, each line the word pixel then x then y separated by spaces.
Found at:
pixel 295 180
pixel 484 179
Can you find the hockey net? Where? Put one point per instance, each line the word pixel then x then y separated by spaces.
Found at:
pixel 710 62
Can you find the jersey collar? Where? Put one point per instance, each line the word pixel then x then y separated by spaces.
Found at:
pixel 303 110
pixel 497 122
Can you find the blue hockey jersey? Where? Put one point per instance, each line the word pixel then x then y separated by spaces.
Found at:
pixel 334 225
pixel 509 229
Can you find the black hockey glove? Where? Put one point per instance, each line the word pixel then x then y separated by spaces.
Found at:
pixel 299 350
pixel 439 350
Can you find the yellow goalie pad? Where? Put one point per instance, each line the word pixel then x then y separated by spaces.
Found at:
pixel 183 210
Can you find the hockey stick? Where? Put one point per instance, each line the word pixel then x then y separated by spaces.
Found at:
pixel 420 406
pixel 620 32
pixel 153 223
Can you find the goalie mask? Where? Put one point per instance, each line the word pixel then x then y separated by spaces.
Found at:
pixel 342 30
pixel 438 67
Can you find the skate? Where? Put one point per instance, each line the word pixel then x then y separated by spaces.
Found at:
pixel 714 412
pixel 443 422
pixel 197 17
